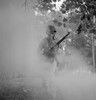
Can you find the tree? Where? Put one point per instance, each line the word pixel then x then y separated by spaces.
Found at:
pixel 85 9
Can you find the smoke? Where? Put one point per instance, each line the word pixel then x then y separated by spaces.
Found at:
pixel 20 36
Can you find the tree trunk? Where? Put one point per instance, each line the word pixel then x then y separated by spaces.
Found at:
pixel 93 52
pixel 93 47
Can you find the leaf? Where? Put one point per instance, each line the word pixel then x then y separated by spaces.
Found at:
pixel 79 29
pixel 83 17
pixel 93 31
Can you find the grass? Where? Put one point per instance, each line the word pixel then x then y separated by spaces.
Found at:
pixel 9 92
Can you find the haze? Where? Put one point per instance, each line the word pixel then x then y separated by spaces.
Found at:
pixel 20 36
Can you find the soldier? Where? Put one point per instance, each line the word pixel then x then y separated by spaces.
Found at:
pixel 46 48
pixel 49 46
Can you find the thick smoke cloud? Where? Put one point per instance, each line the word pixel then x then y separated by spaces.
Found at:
pixel 20 36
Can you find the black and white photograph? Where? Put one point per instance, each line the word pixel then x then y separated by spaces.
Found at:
pixel 47 50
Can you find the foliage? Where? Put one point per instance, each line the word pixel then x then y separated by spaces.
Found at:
pixel 84 8
pixel 81 13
